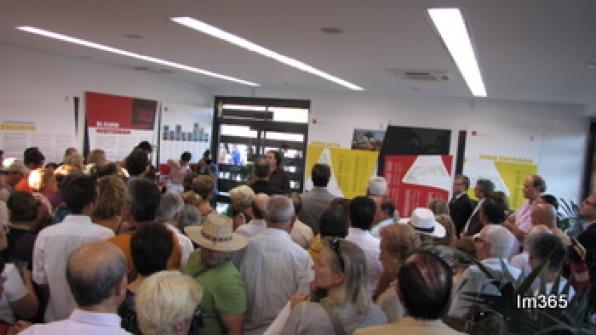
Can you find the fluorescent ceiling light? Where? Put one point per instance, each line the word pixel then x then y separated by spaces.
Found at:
pixel 248 45
pixel 450 24
pixel 121 52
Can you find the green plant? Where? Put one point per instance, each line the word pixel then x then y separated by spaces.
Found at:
pixel 568 217
pixel 569 320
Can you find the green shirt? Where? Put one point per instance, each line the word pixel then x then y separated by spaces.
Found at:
pixel 224 291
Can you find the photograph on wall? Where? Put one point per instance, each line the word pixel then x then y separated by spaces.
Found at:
pixel 117 124
pixel 368 139
pixel 401 140
pixel 184 128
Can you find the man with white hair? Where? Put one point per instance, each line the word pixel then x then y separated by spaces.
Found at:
pixel 274 268
pixel 258 224
pixel 493 246
pixel 168 213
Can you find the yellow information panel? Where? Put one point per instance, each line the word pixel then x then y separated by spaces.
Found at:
pixel 351 168
pixel 514 175
pixel 507 173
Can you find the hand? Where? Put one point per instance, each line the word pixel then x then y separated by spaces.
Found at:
pixel 298 298
pixel 26 274
pixel 19 326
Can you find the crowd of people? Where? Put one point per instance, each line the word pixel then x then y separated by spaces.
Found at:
pixel 91 246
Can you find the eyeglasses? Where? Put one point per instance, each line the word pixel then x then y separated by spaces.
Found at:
pixel 197 320
pixel 334 245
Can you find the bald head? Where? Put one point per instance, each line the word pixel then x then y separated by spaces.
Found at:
pixel 93 272
pixel 544 214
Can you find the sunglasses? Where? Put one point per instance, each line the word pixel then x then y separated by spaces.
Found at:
pixel 334 245
pixel 197 320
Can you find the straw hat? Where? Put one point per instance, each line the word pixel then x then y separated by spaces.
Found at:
pixel 423 221
pixel 216 233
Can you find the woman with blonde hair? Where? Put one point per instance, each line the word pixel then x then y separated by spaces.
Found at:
pixel 241 198
pixel 110 201
pixel 167 303
pixel 341 275
pixel 397 243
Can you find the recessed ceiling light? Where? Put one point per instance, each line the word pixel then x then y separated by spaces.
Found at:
pixel 133 36
pixel 213 31
pixel 121 52
pixel 452 28
pixel 331 30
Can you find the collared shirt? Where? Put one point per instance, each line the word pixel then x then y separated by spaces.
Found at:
pixel 301 234
pixel 50 255
pixel 410 325
pixel 80 322
pixel 274 268
pixel 253 228
pixel 523 220
pixel 372 248
pixel 314 203
pixel 523 216
pixel 279 179
pixel 476 281
pixel 186 246
pixel 376 231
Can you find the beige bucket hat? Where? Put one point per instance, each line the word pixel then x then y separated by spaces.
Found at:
pixel 216 233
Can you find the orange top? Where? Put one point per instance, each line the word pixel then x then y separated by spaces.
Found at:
pixel 23 185
pixel 122 241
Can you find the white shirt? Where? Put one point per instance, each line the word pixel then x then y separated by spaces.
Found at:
pixel 371 247
pixel 274 268
pixel 186 246
pixel 80 322
pixel 521 261
pixel 301 234
pixel 253 228
pixel 14 290
pixel 475 281
pixel 376 230
pixel 50 255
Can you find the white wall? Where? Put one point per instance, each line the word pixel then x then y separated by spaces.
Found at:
pixel 34 78
pixel 562 128
pixel 33 75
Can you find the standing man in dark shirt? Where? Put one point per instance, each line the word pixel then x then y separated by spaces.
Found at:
pixel 460 206
pixel 260 183
pixel 277 175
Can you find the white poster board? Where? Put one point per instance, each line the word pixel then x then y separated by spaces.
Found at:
pixel 184 128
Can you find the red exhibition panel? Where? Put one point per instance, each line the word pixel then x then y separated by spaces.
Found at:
pixel 118 112
pixel 407 196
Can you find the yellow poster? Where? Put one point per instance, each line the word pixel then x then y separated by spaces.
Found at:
pixel 514 175
pixel 507 173
pixel 351 169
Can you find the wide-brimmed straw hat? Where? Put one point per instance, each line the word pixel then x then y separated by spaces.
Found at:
pixel 423 221
pixel 216 233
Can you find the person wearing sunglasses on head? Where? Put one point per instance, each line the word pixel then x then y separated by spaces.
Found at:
pixel 341 278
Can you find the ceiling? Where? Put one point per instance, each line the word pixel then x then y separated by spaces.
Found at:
pixel 531 50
